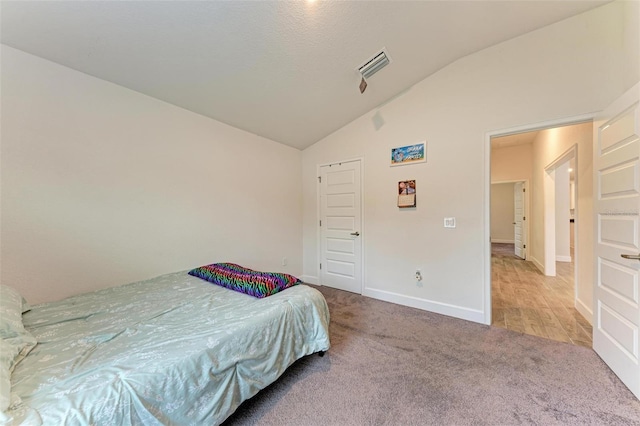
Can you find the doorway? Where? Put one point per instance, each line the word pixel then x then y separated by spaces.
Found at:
pixel 509 211
pixel 532 296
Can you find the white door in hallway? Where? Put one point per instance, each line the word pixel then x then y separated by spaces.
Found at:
pixel 341 226
pixel 518 219
pixel 616 310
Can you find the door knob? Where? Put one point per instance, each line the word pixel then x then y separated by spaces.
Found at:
pixel 355 233
pixel 631 256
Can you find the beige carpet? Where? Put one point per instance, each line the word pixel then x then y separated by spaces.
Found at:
pixel 393 365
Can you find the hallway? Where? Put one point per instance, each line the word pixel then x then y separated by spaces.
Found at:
pixel 525 300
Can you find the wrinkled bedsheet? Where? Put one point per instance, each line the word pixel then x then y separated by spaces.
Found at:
pixel 170 350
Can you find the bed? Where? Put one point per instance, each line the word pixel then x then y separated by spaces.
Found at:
pixel 171 350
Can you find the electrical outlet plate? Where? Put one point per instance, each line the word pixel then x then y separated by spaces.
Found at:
pixel 449 222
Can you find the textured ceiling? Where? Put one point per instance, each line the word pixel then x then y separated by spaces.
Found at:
pixel 283 70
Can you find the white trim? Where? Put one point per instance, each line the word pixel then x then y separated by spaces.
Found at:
pixel 317 225
pixel 487 193
pixel 486 212
pixel 427 305
pixel 550 214
pixel 549 221
pixel 538 264
pixel 501 241
pixel 310 279
pixel 563 258
pixel 541 126
pixel 584 310
pixel 363 229
pixel 567 155
pixel 574 242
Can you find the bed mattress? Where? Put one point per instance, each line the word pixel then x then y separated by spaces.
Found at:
pixel 171 350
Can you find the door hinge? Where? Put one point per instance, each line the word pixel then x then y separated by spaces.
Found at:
pixel 524 190
pixel 524 246
pixel 321 266
pixel 320 222
pixel 524 218
pixel 319 179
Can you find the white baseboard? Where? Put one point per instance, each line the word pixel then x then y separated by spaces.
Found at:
pixel 536 262
pixel 309 279
pixel 563 259
pixel 427 305
pixel 584 310
pixel 502 241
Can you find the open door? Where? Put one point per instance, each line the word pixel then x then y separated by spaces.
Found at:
pixel 519 237
pixel 617 248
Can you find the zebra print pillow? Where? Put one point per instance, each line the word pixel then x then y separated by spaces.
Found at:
pixel 235 277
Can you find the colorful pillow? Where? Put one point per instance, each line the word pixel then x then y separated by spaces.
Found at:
pixel 235 277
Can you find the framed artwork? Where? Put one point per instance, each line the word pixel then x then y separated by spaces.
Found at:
pixel 409 154
pixel 407 193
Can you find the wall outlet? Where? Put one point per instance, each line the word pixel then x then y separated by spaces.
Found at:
pixel 449 222
pixel 284 261
pixel 418 275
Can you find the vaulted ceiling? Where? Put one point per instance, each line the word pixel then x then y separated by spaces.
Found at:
pixel 283 70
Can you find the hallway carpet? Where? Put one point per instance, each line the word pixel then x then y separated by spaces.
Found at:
pixel 394 365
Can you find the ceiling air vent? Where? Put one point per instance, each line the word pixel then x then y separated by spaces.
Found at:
pixel 372 66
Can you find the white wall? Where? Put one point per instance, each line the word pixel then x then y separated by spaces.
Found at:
pixel 571 68
pixel 548 147
pixel 102 186
pixel 502 213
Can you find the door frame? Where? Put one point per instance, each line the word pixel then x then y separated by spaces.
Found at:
pixel 526 208
pixel 363 229
pixel 487 190
pixel 550 257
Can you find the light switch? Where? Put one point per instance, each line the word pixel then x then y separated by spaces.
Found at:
pixel 449 222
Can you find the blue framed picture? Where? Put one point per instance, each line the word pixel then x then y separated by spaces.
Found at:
pixel 409 154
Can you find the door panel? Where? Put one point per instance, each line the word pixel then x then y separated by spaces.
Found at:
pixel 618 231
pixel 340 219
pixel 619 181
pixel 619 280
pixel 619 330
pixel 617 215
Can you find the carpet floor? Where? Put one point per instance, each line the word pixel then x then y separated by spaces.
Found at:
pixel 394 365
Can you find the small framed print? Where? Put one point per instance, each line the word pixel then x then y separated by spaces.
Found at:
pixel 407 193
pixel 409 154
